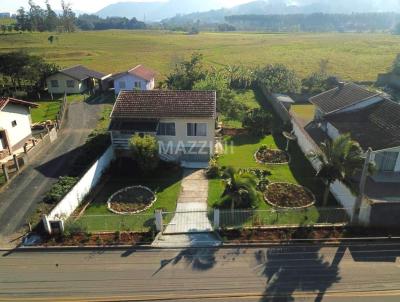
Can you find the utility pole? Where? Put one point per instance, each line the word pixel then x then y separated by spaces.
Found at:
pixel 361 195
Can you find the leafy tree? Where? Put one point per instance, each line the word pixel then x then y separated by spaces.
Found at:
pixel 51 18
pixel 3 28
pixel 145 151
pixel 23 23
pixel 315 83
pixel 36 17
pixel 187 73
pixel 240 77
pixel 396 65
pixel 278 79
pixel 67 17
pixel 240 188
pixel 340 160
pixel 258 121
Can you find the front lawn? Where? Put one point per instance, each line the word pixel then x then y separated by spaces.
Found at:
pixel 240 154
pixel 165 182
pixel 46 111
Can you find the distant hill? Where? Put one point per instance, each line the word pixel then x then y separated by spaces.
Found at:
pixel 155 11
pixel 281 7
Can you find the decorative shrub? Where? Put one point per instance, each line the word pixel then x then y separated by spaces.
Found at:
pixel 213 170
pixel 145 150
pixel 258 121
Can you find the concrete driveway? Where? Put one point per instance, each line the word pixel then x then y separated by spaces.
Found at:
pixel 19 200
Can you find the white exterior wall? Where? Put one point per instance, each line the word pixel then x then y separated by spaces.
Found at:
pixel 332 131
pixel 91 178
pixel 130 80
pixel 189 141
pixel 21 115
pixel 397 149
pixel 79 87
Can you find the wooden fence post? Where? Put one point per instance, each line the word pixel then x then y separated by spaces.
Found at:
pixel 16 162
pixel 5 172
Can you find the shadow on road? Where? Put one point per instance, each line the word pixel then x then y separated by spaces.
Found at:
pixel 290 269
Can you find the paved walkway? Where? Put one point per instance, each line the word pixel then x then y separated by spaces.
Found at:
pixel 190 225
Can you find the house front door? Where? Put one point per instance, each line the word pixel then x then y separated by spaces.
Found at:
pixel 386 161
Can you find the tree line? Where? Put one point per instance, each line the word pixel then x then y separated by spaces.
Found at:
pixel 36 18
pixel 317 22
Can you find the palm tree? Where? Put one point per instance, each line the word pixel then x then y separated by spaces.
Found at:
pixel 240 187
pixel 340 159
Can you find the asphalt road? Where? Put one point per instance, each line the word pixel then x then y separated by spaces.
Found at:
pixel 19 200
pixel 283 273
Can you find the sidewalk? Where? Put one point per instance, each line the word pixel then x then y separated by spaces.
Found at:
pixel 190 225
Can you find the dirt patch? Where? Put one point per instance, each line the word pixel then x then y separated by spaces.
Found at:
pixel 272 156
pixel 286 195
pixel 103 239
pixel 131 200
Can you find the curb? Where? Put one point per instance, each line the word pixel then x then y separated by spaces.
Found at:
pixel 296 242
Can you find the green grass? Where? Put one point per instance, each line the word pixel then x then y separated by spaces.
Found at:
pixel 304 112
pixel 352 56
pixel 240 154
pixel 47 110
pixel 7 21
pixel 166 184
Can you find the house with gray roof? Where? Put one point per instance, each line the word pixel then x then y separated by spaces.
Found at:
pixel 368 116
pixel 76 79
pixel 182 121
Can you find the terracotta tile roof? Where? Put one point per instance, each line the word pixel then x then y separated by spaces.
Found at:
pixel 155 104
pixel 4 101
pixel 80 73
pixel 139 71
pixel 341 97
pixel 376 126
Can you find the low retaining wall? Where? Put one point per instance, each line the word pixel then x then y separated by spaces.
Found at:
pixel 279 108
pixel 73 199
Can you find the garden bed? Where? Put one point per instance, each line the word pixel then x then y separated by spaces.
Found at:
pixel 100 239
pixel 131 200
pixel 272 156
pixel 289 196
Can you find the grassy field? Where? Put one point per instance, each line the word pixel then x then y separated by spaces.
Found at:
pixel 304 112
pixel 7 21
pixel 351 56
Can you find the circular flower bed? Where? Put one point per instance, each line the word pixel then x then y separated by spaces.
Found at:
pixel 131 200
pixel 272 156
pixel 289 196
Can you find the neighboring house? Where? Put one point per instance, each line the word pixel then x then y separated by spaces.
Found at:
pixel 76 79
pixel 15 124
pixel 182 121
pixel 371 120
pixel 137 78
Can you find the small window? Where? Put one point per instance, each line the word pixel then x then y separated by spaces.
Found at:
pixel 122 84
pixel 138 85
pixel 197 129
pixel 166 129
pixel 70 83
pixel 14 123
pixel 54 83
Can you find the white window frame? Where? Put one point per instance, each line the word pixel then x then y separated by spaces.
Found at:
pixel 54 83
pixel 196 129
pixel 166 129
pixel 69 85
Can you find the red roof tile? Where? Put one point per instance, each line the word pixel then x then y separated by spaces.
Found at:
pixel 139 71
pixel 4 101
pixel 154 104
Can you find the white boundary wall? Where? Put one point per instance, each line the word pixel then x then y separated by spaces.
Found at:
pixel 341 192
pixel 88 181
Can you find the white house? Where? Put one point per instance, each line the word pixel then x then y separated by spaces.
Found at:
pixel 76 79
pixel 15 124
pixel 371 120
pixel 137 78
pixel 182 121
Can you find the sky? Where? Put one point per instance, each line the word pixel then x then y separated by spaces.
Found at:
pixel 85 5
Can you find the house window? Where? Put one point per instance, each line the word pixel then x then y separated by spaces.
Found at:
pixel 54 83
pixel 138 85
pixel 122 84
pixel 14 123
pixel 70 83
pixel 166 129
pixel 197 129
